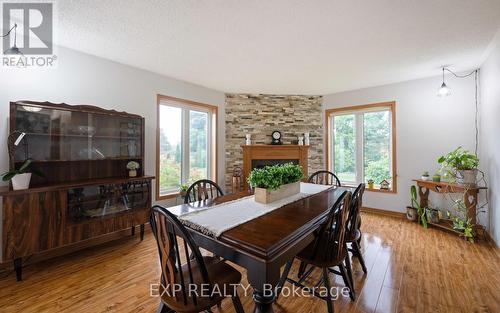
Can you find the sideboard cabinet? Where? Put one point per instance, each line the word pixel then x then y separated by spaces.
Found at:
pixel 85 190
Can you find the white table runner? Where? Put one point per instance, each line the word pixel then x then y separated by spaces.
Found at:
pixel 215 220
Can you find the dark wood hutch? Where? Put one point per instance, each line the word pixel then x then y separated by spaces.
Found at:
pixel 85 191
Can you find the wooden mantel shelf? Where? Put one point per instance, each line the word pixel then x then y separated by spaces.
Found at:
pixel 274 152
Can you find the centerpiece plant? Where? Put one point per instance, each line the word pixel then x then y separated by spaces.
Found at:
pixel 275 182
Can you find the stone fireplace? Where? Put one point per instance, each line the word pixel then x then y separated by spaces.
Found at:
pixel 259 115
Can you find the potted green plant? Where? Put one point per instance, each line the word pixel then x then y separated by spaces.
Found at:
pixel 436 177
pixel 21 177
pixel 425 176
pixel 420 211
pixel 462 165
pixel 275 182
pixel 432 215
pixel 132 168
pixel 371 183
pixel 183 190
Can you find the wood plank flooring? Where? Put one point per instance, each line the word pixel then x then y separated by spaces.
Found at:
pixel 409 270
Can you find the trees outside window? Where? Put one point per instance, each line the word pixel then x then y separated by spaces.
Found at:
pixel 186 145
pixel 360 143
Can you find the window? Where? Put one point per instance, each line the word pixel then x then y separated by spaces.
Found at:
pixel 361 144
pixel 186 144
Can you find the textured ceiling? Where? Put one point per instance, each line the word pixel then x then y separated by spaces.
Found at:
pixel 283 46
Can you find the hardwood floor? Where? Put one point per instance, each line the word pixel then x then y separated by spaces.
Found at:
pixel 409 270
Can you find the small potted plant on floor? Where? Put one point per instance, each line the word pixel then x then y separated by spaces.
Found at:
pixel 275 182
pixel 371 183
pixel 415 211
pixel 432 215
pixel 21 177
pixel 425 176
pixel 132 168
pixel 462 165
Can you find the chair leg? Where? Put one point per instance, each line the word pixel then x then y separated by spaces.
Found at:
pixel 349 268
pixel 347 281
pixel 237 304
pixel 163 308
pixel 326 279
pixel 283 278
pixel 357 250
pixel 302 268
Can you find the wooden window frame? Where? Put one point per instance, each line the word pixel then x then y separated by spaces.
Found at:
pixel 213 141
pixel 392 107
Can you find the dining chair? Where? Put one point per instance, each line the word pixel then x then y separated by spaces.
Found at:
pixel 353 233
pixel 183 278
pixel 202 189
pixel 324 178
pixel 326 251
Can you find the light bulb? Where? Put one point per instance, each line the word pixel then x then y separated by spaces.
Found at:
pixel 444 90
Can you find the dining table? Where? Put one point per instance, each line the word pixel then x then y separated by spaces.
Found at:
pixel 264 244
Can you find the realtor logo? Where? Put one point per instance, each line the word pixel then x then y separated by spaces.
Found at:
pixel 27 31
pixel 33 34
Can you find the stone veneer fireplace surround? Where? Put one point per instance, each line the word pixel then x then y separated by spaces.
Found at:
pixel 259 115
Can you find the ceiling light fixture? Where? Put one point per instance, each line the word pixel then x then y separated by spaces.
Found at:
pixel 14 49
pixel 444 90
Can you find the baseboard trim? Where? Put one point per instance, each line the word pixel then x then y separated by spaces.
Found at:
pixel 383 212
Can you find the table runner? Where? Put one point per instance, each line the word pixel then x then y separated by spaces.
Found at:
pixel 215 220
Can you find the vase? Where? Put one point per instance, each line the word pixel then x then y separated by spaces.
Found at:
pixel 265 196
pixel 132 173
pixel 21 181
pixel 306 139
pixel 411 213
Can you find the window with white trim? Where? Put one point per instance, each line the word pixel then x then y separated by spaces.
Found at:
pixel 186 144
pixel 360 144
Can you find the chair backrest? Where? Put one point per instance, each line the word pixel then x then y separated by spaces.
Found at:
pixel 202 189
pixel 324 178
pixel 177 270
pixel 354 218
pixel 330 242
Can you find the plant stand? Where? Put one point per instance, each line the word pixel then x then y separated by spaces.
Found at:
pixel 470 195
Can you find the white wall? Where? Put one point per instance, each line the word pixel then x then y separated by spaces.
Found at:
pixel 85 79
pixel 490 135
pixel 427 126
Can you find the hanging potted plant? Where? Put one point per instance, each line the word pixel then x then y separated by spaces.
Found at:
pixel 132 168
pixel 21 177
pixel 275 182
pixel 462 165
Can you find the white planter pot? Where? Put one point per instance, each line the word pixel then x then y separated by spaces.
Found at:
pixel 132 173
pixel 426 178
pixel 467 177
pixel 267 196
pixel 21 181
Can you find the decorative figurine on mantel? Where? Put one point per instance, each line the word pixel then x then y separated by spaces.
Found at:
pixel 306 139
pixel 248 141
pixel 301 141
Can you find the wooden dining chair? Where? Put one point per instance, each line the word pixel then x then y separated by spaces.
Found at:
pixel 327 250
pixel 353 236
pixel 184 278
pixel 202 189
pixel 324 178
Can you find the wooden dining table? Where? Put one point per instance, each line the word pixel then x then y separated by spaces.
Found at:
pixel 263 245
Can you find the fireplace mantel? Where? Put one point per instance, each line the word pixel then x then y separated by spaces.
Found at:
pixel 273 152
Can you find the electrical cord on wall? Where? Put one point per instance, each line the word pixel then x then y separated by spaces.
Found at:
pixel 476 95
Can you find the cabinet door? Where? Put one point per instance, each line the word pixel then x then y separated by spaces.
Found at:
pixel 32 223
